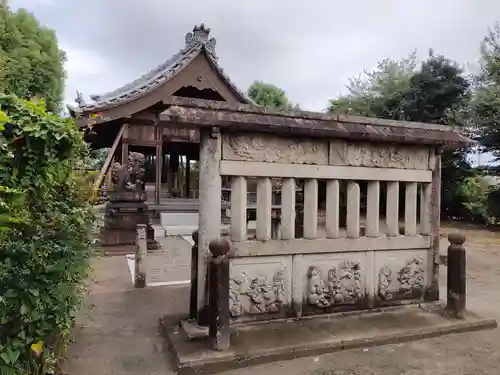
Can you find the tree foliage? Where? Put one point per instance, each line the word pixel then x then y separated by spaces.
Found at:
pixel 31 62
pixel 485 106
pixel 45 232
pixel 433 92
pixel 269 95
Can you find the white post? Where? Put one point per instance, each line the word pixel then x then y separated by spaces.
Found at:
pixel 332 208
pixel 353 208
pixel 239 209
pixel 373 209
pixel 311 208
pixel 288 209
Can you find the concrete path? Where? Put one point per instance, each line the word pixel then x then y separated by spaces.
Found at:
pixel 117 331
pixel 119 335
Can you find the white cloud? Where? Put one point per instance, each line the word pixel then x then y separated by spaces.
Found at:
pixel 309 48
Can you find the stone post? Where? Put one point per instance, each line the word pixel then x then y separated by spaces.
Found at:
pixel 218 293
pixel 210 206
pixel 456 276
pixel 141 252
pixel 193 296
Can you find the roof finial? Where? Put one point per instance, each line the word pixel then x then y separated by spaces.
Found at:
pixel 79 99
pixel 200 36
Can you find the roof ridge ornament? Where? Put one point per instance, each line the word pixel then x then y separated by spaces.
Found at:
pixel 79 99
pixel 199 36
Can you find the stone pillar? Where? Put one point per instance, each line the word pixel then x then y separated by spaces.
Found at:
pixel 141 253
pixel 210 204
pixel 432 293
pixel 456 280
pixel 218 329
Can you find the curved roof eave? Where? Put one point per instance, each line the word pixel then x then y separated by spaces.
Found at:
pixel 195 43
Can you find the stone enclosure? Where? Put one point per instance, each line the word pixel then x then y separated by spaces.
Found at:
pixel 350 268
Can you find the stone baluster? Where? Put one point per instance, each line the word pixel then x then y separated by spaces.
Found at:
pixel 353 209
pixel 332 208
pixel 392 209
pixel 141 252
pixel 411 209
pixel 456 302
pixel 239 209
pixel 425 208
pixel 264 207
pixel 373 209
pixel 311 208
pixel 288 209
pixel 193 293
pixel 218 304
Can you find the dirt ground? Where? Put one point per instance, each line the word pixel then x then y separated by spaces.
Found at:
pixel 118 335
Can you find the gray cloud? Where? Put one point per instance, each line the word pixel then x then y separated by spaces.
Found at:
pixel 309 48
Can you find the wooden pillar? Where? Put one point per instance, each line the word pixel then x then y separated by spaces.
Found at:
pixel 158 164
pixel 124 159
pixel 209 204
pixel 433 265
pixel 188 177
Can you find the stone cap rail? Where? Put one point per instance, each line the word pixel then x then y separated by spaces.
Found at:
pixel 200 113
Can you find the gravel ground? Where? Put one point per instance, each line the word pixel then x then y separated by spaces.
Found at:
pixel 119 334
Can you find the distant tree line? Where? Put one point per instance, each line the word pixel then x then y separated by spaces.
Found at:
pixel 437 91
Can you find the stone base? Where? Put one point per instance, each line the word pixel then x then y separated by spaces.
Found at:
pixel 258 343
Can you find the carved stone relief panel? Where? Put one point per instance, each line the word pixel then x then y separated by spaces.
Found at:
pixel 378 155
pixel 400 274
pixel 334 280
pixel 265 148
pixel 259 286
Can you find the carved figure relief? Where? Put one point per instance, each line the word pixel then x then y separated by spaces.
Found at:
pixel 263 148
pixel 384 279
pixel 131 176
pixel 342 285
pixel 411 278
pixel 256 295
pixel 378 156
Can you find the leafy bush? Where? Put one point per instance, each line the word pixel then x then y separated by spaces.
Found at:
pixel 46 228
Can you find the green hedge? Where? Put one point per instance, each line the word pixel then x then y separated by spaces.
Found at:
pixel 46 228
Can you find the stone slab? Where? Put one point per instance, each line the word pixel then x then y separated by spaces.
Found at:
pixel 254 344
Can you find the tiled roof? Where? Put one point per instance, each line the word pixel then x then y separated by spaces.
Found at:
pixel 195 43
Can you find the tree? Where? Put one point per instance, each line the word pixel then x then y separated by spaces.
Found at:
pixel 434 93
pixel 380 92
pixel 31 62
pixel 269 95
pixel 485 105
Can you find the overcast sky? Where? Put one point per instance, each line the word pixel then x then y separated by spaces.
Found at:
pixel 308 48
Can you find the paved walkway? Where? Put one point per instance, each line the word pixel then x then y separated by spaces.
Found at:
pixel 119 335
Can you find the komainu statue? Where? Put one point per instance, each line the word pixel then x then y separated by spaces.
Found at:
pixel 126 206
pixel 129 177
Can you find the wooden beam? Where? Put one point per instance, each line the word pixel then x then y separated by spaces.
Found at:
pixel 107 162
